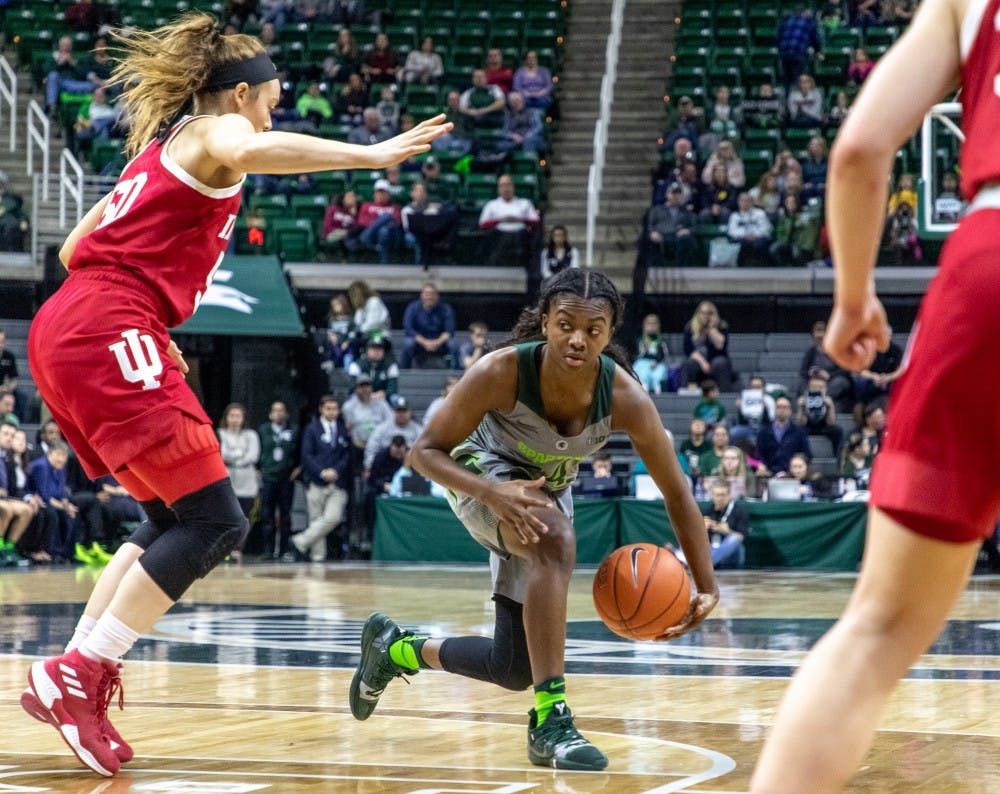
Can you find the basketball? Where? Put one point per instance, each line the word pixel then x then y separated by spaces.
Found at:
pixel 641 590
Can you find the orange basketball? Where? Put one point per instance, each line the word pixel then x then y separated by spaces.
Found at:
pixel 641 590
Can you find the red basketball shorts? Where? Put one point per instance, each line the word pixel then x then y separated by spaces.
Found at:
pixel 99 358
pixel 938 459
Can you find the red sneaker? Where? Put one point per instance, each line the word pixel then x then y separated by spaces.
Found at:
pixel 36 709
pixel 73 697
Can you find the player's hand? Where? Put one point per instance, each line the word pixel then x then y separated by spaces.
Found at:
pixel 855 335
pixel 409 143
pixel 512 502
pixel 175 353
pixel 700 608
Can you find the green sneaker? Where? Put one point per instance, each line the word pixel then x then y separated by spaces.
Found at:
pixel 376 669
pixel 99 555
pixel 557 742
pixel 81 554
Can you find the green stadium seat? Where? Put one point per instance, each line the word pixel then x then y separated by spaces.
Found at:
pixel 312 208
pixel 293 240
pixel 477 190
pixel 330 183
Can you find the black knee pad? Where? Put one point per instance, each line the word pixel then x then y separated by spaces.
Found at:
pixel 159 518
pixel 210 524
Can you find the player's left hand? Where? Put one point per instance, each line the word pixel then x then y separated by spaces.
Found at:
pixel 409 143
pixel 175 353
pixel 855 335
pixel 700 608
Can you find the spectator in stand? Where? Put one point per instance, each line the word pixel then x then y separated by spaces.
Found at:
pixel 754 410
pixel 393 175
pixel 103 520
pixel 728 524
pixel 87 16
pixel 817 413
pixel 472 349
pixel 857 464
pixel 381 223
pixel 898 12
pixel 840 382
pixel 870 420
pixel 798 40
pixel 687 124
pixel 47 481
pixel 814 167
pixel 64 74
pixel 860 67
pixel 670 225
pixel 709 409
pixel 94 121
pixel 706 345
pixel 98 65
pixel 833 14
pixel 508 222
pixel 379 367
pixel 437 189
pixel 725 155
pixel 9 378
pixel 279 468
pixel 796 236
pixel 461 140
pixel 669 171
pixel 711 458
pixel 765 194
pixel 723 120
pixel 8 405
pixel 401 424
pixel 269 38
pixel 380 65
pixel 718 198
pixel 16 503
pixel 866 13
pixel 424 65
pixel 313 106
pixel 650 364
pixel 363 412
pixel 750 227
pixel 601 482
pixel 805 103
pixel 839 109
pixel 949 205
pixel 340 336
pixel 497 73
pixel 813 486
pixel 385 464
pixel 534 83
pixel 326 468
pixel 901 234
pixel 389 111
pixel 429 323
pixel 762 110
pixel 875 382
pixel 240 447
pixel 341 218
pixel 693 447
pixel 734 472
pixel 778 442
pixel 371 315
pixel 429 227
pixel 369 131
pixel 343 60
pixel 522 129
pixel 558 254
pixel 905 193
pixel 690 182
pixel 483 103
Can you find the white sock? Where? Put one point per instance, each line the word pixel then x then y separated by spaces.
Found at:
pixel 109 640
pixel 81 632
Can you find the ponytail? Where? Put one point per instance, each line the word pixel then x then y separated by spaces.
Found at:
pixel 163 70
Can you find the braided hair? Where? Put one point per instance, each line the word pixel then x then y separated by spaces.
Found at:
pixel 584 283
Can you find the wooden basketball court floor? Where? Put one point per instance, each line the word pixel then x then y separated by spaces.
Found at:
pixel 242 687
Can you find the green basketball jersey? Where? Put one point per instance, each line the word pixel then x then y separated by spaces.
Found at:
pixel 523 439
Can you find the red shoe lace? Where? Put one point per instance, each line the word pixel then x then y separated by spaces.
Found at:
pixel 106 690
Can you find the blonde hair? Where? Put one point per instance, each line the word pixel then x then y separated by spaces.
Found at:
pixel 697 330
pixel 163 70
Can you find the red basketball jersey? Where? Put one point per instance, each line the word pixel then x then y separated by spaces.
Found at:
pixel 980 46
pixel 165 227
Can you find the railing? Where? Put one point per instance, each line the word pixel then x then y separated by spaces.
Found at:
pixel 595 174
pixel 39 134
pixel 70 186
pixel 8 99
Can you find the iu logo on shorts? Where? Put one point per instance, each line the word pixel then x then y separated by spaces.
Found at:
pixel 138 359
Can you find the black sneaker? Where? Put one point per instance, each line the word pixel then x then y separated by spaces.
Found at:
pixel 376 669
pixel 557 742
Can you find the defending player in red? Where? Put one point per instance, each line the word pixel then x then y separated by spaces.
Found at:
pixel 139 262
pixel 934 496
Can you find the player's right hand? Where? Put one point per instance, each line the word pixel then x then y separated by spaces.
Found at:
pixel 855 335
pixel 409 143
pixel 512 502
pixel 701 606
